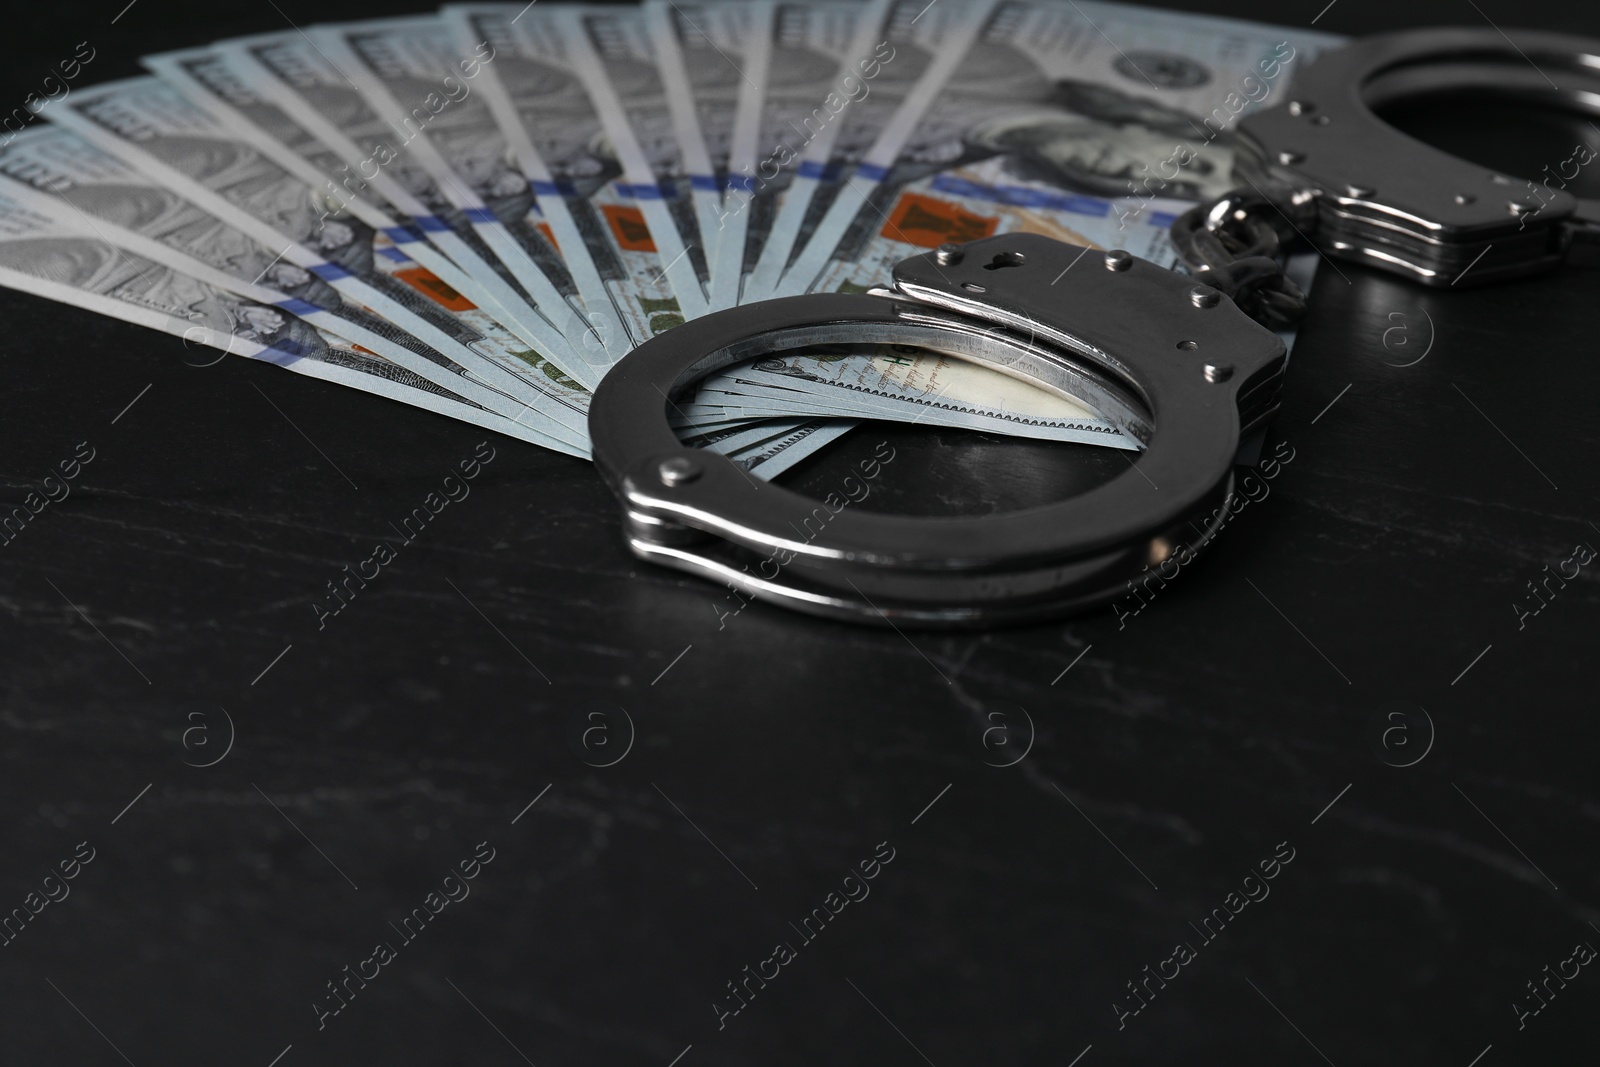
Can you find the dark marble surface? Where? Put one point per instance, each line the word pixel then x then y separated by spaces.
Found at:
pixel 759 761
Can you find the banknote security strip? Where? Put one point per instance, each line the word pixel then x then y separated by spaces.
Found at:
pixel 1324 165
pixel 1173 364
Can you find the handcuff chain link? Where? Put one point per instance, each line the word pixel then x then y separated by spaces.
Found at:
pixel 1232 243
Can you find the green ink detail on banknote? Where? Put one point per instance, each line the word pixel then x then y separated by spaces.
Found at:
pixel 548 369
pixel 664 313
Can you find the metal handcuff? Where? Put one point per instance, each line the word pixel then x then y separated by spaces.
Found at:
pixel 1325 167
pixel 1185 365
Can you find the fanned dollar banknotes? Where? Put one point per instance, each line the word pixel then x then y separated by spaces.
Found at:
pixel 479 212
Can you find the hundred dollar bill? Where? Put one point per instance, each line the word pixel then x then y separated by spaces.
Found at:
pixel 734 436
pixel 838 72
pixel 737 397
pixel 67 262
pixel 1095 123
pixel 554 131
pixel 733 133
pixel 772 457
pixel 1048 127
pixel 64 255
pixel 812 249
pixel 772 446
pixel 152 127
pixel 745 441
pixel 930 39
pixel 757 393
pixel 714 60
pixel 792 96
pixel 213 82
pixel 614 58
pixel 294 74
pixel 906 384
pixel 57 173
pixel 408 71
pixel 1099 94
pixel 570 402
pixel 984 198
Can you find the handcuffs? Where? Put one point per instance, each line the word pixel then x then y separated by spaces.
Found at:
pixel 1188 366
pixel 1323 166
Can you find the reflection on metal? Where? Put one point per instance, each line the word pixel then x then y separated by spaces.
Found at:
pixel 1182 370
pixel 1327 168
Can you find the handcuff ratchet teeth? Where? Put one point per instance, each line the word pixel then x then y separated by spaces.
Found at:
pixel 1173 364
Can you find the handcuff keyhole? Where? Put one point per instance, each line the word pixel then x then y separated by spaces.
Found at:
pixel 1188 346
pixel 1004 260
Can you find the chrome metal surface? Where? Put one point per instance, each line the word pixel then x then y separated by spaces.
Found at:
pixel 1131 342
pixel 1384 198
